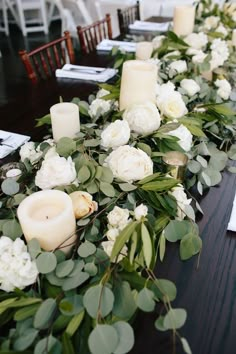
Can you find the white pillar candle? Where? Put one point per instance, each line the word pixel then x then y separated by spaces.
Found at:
pixel 184 17
pixel 13 173
pixel 65 120
pixel 138 83
pixel 234 38
pixel 49 217
pixel 144 50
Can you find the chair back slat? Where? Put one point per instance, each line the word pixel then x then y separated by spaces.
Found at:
pixel 90 36
pixel 127 16
pixel 51 56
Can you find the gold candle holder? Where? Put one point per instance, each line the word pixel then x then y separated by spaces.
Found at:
pixel 176 163
pixel 12 170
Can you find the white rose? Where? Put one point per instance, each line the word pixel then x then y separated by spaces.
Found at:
pixel 112 234
pixel 211 22
pixel 129 164
pixel 102 93
pixel 83 204
pixel 55 171
pixel 143 118
pixel 164 90
pixel 180 66
pixel 219 53
pixel 108 246
pixel 184 135
pixel 190 86
pixel 99 107
pixel 221 29
pixel 140 212
pixel 118 218
pixel 157 41
pixel 28 151
pixel 115 135
pixel 224 89
pixel 182 201
pixel 196 40
pixel 173 106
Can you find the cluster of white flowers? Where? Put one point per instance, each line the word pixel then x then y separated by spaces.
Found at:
pixel 170 102
pixel 142 118
pixel 224 89
pixel 190 86
pixel 31 152
pixel 16 268
pixel 129 164
pixel 219 53
pixel 99 106
pixel 118 219
pixel 184 135
pixel 197 40
pixel 115 134
pixel 55 171
pixel 182 201
pixel 198 56
pixel 178 66
pixel 211 22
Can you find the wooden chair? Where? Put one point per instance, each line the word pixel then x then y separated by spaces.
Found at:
pixel 127 16
pixel 42 62
pixel 90 36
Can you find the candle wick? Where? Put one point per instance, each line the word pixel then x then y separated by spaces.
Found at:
pixel 47 217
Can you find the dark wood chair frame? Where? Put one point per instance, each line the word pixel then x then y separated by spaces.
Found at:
pixel 43 61
pixel 90 36
pixel 127 16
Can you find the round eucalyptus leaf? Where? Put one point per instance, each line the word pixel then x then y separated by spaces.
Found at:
pixel 159 324
pixel 91 269
pixel 145 300
pixel 18 198
pixel 107 189
pixel 218 161
pixel 79 265
pixel 46 262
pixel 10 187
pixel 176 229
pixel 103 340
pixel 83 174
pixel 107 175
pixel 12 229
pixel 127 187
pixel 124 305
pixel 71 305
pixel 164 288
pixel 34 248
pixel 175 318
pixel 125 337
pixel 214 176
pixel 48 344
pixel 86 249
pixel 98 298
pixel 60 256
pixel 26 339
pixel 44 314
pixel 64 268
pixel 66 146
pixel 75 281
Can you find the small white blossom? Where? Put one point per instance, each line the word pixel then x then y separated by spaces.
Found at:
pixel 182 201
pixel 184 135
pixel 190 86
pixel 219 53
pixel 108 246
pixel 172 106
pixel 180 66
pixel 112 233
pixel 211 22
pixel 101 93
pixel 140 212
pixel 29 151
pixel 118 218
pixel 196 40
pixel 115 134
pixel 224 89
pixel 99 107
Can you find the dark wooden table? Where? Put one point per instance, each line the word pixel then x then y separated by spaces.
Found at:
pixel 208 292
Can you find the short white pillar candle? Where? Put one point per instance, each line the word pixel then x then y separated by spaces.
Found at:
pixel 49 217
pixel 234 38
pixel 144 50
pixel 65 120
pixel 184 18
pixel 138 83
pixel 14 173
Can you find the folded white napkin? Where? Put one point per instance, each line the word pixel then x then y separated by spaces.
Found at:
pixel 149 26
pixel 108 44
pixel 89 73
pixel 10 142
pixel 232 221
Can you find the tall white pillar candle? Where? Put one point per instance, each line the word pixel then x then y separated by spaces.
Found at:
pixel 184 18
pixel 65 120
pixel 138 83
pixel 49 217
pixel 234 38
pixel 144 50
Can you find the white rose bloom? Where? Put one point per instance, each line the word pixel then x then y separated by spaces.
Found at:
pixel 140 211
pixel 184 135
pixel 112 233
pixel 129 164
pixel 182 201
pixel 99 107
pixel 196 40
pixel 224 89
pixel 190 86
pixel 211 22
pixel 219 53
pixel 108 246
pixel 55 171
pixel 118 218
pixel 198 56
pixel 16 268
pixel 180 66
pixel 115 134
pixel 157 41
pixel 102 93
pixel 221 29
pixel 83 204
pixel 173 106
pixel 143 118
pixel 164 90
pixel 28 151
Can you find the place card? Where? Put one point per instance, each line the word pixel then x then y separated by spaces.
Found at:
pixel 150 26
pixel 232 220
pixel 10 142
pixel 87 73
pixel 108 44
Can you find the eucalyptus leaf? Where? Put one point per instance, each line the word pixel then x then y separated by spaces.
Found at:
pixel 145 300
pixel 107 189
pixel 186 346
pixel 65 146
pixel 125 337
pixel 64 268
pixel 46 262
pixel 159 324
pixel 47 344
pixel 189 246
pixel 71 305
pixel 83 174
pixel 44 315
pixel 74 323
pixel 34 248
pixel 124 304
pixel 75 281
pixel 26 339
pixel 86 249
pixel 98 299
pixel 10 187
pixel 175 319
pixel 12 229
pixel 103 339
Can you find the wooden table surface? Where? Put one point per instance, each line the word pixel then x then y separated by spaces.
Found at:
pixel 208 292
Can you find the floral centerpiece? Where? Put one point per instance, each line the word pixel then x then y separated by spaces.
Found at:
pixel 127 206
